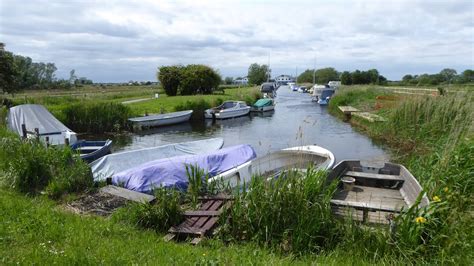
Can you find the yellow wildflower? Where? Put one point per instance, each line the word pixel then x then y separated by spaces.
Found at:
pixel 436 199
pixel 420 220
pixel 446 189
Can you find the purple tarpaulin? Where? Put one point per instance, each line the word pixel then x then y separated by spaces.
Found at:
pixel 171 172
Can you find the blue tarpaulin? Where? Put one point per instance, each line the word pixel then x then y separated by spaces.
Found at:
pixel 171 172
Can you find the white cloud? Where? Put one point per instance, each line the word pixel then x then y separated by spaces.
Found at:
pixel 119 41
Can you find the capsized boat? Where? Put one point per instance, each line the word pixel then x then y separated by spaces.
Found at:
pixel 162 119
pixel 26 118
pixel 172 172
pixel 372 192
pixel 299 158
pixel 110 164
pixel 228 109
pixel 92 150
pixel 263 105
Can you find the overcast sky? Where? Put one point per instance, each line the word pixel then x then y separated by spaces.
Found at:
pixel 118 41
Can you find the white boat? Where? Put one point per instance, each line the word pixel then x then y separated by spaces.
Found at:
pixel 228 109
pixel 300 157
pixel 117 162
pixel 162 119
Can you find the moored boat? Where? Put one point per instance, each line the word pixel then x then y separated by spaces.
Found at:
pixel 263 105
pixel 295 158
pixel 326 95
pixel 228 109
pixel 162 119
pixel 92 150
pixel 372 192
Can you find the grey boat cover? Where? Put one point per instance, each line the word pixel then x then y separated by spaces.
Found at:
pixel 171 172
pixel 37 116
pixel 108 165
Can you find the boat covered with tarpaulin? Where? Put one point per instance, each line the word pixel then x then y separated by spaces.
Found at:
pixel 110 164
pixel 263 105
pixel 172 172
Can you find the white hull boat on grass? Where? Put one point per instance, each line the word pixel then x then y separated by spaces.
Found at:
pixel 162 119
pixel 228 109
pixel 296 158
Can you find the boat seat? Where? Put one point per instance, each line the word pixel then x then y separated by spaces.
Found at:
pixel 374 176
pixel 90 148
pixel 364 206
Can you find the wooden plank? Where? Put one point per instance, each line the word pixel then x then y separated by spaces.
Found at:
pixel 374 176
pixel 348 109
pixel 128 194
pixel 218 197
pixel 169 237
pixel 369 117
pixel 364 205
pixel 202 213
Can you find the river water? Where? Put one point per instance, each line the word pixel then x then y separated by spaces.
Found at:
pixel 296 121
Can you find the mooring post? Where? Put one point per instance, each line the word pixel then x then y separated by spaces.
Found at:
pixel 47 141
pixel 66 141
pixel 37 134
pixel 23 131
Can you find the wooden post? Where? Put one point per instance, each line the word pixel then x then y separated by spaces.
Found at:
pixel 37 135
pixel 23 131
pixel 47 141
pixel 66 141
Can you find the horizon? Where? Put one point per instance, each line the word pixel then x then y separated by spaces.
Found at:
pixel 122 41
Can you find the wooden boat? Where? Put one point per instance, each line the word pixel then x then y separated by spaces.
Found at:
pixel 162 119
pixel 92 150
pixel 370 193
pixel 228 109
pixel 263 105
pixel 300 157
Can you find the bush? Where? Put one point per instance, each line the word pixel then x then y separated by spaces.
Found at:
pixel 30 167
pixel 170 78
pixel 97 117
pixel 198 107
pixel 198 79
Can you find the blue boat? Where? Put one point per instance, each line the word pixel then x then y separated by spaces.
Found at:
pixel 92 150
pixel 326 95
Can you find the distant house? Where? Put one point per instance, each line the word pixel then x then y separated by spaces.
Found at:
pixel 284 79
pixel 241 81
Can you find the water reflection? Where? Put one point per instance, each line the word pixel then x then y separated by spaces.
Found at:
pixel 296 121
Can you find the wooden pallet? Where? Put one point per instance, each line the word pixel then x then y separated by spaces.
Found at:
pixel 200 223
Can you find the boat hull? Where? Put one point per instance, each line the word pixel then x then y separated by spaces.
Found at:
pixel 227 113
pixel 292 158
pixel 162 119
pixel 263 108
pixel 92 150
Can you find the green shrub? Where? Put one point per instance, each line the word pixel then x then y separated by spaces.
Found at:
pixel 97 117
pixel 198 107
pixel 160 216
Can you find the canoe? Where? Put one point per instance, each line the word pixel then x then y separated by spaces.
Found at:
pixel 162 119
pixel 300 157
pixel 173 172
pixel 110 164
pixel 92 150
pixel 263 105
pixel 228 109
pixel 372 192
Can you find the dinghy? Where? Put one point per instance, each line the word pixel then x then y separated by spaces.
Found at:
pixel 110 164
pixel 172 172
pixel 369 193
pixel 92 150
pixel 299 158
pixel 228 109
pixel 162 119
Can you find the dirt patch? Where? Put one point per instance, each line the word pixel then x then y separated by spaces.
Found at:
pixel 98 203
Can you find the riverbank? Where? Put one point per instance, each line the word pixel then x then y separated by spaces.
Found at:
pixel 433 137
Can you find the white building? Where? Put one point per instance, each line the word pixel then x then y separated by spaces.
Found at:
pixel 241 81
pixel 284 79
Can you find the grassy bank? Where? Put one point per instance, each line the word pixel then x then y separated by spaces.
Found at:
pixel 433 138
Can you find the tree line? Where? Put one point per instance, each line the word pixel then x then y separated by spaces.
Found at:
pixel 22 73
pixel 324 75
pixel 188 80
pixel 445 76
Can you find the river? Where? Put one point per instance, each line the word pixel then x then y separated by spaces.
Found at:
pixel 296 121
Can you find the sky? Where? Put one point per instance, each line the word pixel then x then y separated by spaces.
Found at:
pixel 118 41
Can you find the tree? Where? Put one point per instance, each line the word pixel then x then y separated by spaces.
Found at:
pixel 198 79
pixel 448 74
pixel 228 80
pixel 373 76
pixel 306 76
pixel 8 72
pixel 72 76
pixel 324 75
pixel 467 75
pixel 258 74
pixel 170 77
pixel 382 80
pixel 346 78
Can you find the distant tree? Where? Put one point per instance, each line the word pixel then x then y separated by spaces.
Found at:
pixel 373 76
pixel 346 78
pixel 257 74
pixel 448 74
pixel 324 75
pixel 170 78
pixel 382 80
pixel 306 76
pixel 8 72
pixel 468 75
pixel 228 80
pixel 198 79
